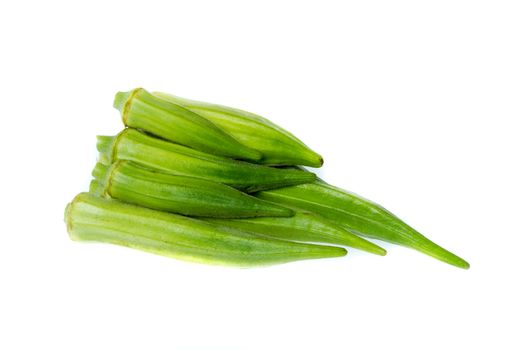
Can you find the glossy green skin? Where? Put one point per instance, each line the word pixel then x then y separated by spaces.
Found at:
pixel 91 218
pixel 185 195
pixel 302 227
pixel 142 110
pixel 278 146
pixel 168 157
pixel 358 215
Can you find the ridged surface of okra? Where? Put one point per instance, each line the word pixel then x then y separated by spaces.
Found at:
pixel 91 218
pixel 142 110
pixel 131 183
pixel 278 146
pixel 176 159
pixel 303 227
pixel 358 215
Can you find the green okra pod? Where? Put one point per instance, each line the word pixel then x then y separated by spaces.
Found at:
pixel 96 188
pixel 176 159
pixel 302 227
pixel 91 218
pixel 142 110
pixel 134 184
pixel 278 146
pixel 358 215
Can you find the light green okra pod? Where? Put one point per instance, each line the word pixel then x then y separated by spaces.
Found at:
pixel 134 184
pixel 175 159
pixel 358 215
pixel 91 218
pixel 302 227
pixel 96 188
pixel 142 110
pixel 278 146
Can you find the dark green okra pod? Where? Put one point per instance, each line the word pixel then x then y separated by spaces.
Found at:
pixel 131 183
pixel 168 157
pixel 91 218
pixel 358 215
pixel 302 227
pixel 278 146
pixel 142 110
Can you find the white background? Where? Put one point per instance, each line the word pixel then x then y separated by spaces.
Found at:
pixel 418 105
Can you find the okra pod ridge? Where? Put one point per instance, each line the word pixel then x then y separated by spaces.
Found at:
pixel 164 156
pixel 91 218
pixel 132 183
pixel 358 215
pixel 303 227
pixel 277 145
pixel 142 110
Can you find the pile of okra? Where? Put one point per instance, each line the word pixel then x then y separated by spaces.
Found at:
pixel 214 184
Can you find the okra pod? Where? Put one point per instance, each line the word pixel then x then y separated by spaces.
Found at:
pixel 176 159
pixel 96 188
pixel 142 110
pixel 185 195
pixel 278 146
pixel 91 218
pixel 359 215
pixel 302 227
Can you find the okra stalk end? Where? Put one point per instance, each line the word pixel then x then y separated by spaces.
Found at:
pixel 104 143
pixel 96 188
pixel 100 172
pixel 122 98
pixel 66 215
pixel 105 148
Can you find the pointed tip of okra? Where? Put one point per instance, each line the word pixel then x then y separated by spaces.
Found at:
pixel 274 210
pixel 432 249
pixel 354 241
pixel 459 262
pixel 313 160
pixel 372 248
pixel 247 153
pixel 454 260
pixel 337 252
pixel 465 265
pixel 316 251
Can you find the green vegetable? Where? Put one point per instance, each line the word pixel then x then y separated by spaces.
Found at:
pixel 91 218
pixel 302 227
pixel 96 188
pixel 142 110
pixel 358 215
pixel 185 195
pixel 278 146
pixel 168 157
